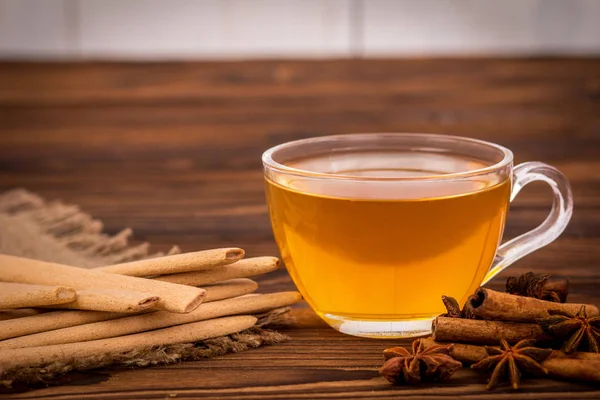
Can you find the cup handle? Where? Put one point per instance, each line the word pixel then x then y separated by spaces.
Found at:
pixel 547 231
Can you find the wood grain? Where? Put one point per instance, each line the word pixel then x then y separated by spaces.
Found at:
pixel 173 151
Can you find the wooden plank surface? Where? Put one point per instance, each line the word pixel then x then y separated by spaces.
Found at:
pixel 173 151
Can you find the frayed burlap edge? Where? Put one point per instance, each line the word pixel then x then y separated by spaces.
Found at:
pixel 72 237
pixel 143 357
pixel 47 374
pixel 62 233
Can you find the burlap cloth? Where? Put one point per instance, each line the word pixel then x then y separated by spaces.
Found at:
pixel 57 232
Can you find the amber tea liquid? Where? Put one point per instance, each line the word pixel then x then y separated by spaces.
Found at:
pixel 388 251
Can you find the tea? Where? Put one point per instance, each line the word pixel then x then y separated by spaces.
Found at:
pixel 386 251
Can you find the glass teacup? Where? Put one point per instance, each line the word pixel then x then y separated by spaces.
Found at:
pixel 375 228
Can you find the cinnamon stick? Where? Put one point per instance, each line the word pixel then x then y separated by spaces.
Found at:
pixel 146 322
pixel 465 353
pixel 493 305
pixel 64 319
pixel 11 359
pixel 241 269
pixel 174 298
pixel 21 295
pixel 447 329
pixel 194 261
pixel 578 366
pixel 120 301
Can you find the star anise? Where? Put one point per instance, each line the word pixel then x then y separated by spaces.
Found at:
pixel 538 286
pixel 510 362
pixel 453 309
pixel 580 332
pixel 431 364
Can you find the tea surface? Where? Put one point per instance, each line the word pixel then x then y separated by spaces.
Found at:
pixel 386 251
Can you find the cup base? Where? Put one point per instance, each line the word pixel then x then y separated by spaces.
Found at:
pixel 394 329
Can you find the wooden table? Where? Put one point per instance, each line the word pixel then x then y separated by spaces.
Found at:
pixel 173 151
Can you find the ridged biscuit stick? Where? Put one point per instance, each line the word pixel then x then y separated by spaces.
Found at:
pixel 17 313
pixel 174 298
pixel 146 322
pixel 194 261
pixel 229 289
pixel 51 320
pixel 241 269
pixel 121 301
pixel 22 295
pixel 62 319
pixel 12 359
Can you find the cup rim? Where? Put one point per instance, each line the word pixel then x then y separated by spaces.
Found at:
pixel 268 161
